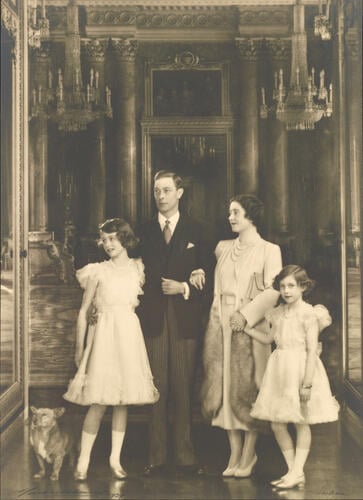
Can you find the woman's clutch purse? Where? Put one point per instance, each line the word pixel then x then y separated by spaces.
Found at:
pixel 256 286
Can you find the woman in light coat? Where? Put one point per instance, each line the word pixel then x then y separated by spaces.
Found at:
pixel 233 362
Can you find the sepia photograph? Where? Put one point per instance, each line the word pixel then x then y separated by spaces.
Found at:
pixel 181 268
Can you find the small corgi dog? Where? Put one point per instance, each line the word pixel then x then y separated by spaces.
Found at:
pixel 50 442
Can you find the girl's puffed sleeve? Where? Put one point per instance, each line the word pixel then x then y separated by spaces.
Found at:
pixel 89 271
pixel 141 274
pixel 323 316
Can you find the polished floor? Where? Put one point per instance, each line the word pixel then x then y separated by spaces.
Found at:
pixel 334 470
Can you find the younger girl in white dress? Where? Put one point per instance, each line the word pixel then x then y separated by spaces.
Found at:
pixel 295 387
pixel 113 368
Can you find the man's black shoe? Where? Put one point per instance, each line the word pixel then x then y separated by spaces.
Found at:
pixel 194 469
pixel 154 470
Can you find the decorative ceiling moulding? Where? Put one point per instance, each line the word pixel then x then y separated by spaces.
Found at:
pixel 179 3
pixel 189 23
pixel 265 21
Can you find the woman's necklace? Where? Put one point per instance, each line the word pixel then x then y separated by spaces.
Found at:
pixel 238 248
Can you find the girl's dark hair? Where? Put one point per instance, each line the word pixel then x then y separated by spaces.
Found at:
pixel 253 207
pixel 300 275
pixel 123 230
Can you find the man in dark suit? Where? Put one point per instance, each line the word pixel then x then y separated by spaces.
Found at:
pixel 176 257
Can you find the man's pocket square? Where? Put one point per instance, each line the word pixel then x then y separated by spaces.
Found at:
pixel 190 245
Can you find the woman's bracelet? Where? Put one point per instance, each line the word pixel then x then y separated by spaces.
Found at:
pixel 306 386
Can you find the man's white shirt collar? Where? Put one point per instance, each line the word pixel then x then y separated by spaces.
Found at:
pixel 173 221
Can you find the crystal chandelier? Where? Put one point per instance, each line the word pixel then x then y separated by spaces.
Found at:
pixel 69 103
pixel 303 103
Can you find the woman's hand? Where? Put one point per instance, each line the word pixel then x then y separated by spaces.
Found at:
pixel 237 321
pixel 305 393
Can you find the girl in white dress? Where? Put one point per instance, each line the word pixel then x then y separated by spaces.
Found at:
pixel 113 368
pixel 295 386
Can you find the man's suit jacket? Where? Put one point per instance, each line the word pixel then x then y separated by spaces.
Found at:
pixel 187 250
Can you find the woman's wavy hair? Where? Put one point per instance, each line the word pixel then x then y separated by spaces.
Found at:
pixel 300 275
pixel 123 230
pixel 253 207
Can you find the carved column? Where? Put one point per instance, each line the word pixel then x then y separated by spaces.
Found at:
pixel 95 55
pixel 247 166
pixel 125 127
pixel 277 163
pixel 38 145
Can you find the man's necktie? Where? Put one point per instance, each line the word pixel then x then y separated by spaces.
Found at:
pixel 167 231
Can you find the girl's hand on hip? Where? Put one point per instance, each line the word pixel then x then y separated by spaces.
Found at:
pixel 305 393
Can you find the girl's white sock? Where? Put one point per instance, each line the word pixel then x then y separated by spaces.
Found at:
pixel 117 442
pixel 87 441
pixel 289 456
pixel 300 459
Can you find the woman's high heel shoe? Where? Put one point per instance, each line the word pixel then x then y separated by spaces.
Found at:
pixel 118 472
pixel 80 475
pixel 229 471
pixel 291 481
pixel 246 471
pixel 277 481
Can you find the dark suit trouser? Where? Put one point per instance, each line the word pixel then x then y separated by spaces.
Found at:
pixel 172 361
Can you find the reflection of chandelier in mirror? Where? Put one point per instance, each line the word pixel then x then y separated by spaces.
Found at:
pixel 194 148
pixel 69 103
pixel 303 104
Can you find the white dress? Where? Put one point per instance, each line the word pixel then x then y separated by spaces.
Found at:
pixel 115 367
pixel 236 265
pixel 278 399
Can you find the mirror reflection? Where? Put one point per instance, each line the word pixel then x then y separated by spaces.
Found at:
pixel 354 276
pixel 7 311
pixel 354 308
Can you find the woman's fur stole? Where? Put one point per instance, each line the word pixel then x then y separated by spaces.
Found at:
pixel 243 391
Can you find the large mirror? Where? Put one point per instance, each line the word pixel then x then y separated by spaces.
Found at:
pixel 7 333
pixel 13 235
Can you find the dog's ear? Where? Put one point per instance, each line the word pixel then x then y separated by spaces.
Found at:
pixel 33 409
pixel 58 412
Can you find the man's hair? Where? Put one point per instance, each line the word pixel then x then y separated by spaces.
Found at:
pixel 123 230
pixel 178 181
